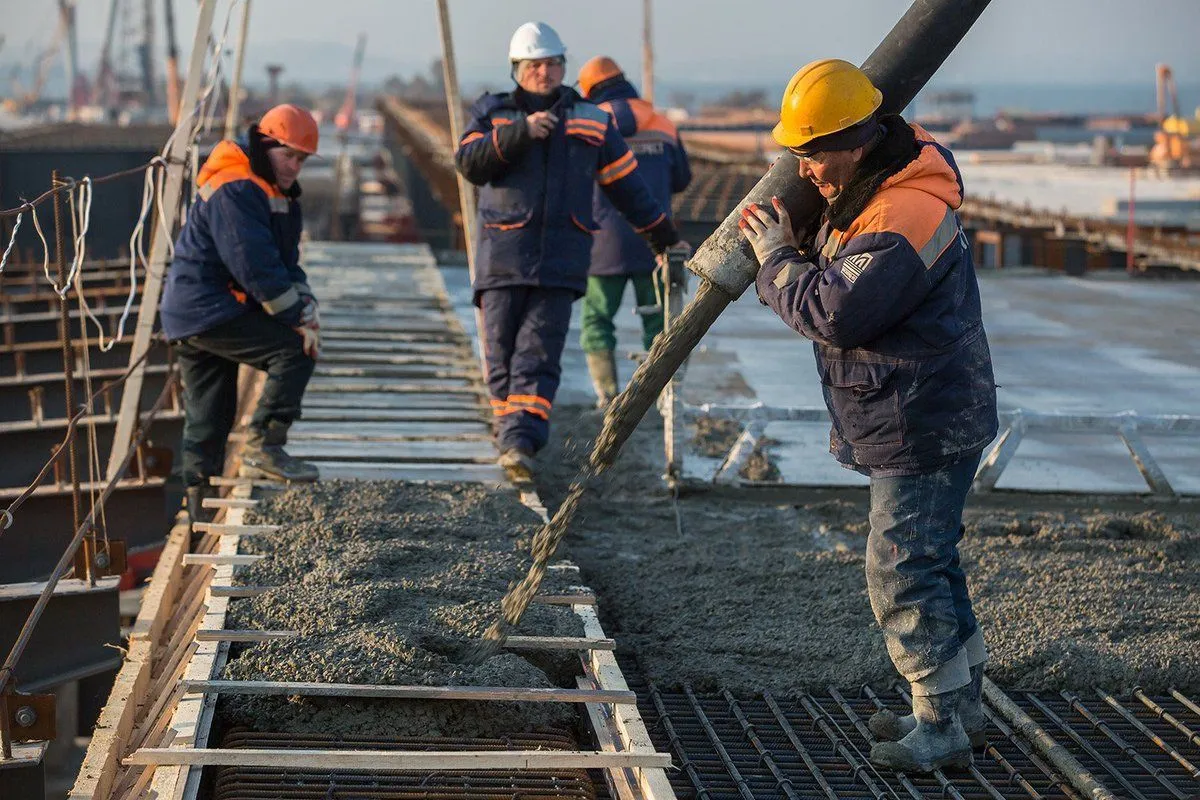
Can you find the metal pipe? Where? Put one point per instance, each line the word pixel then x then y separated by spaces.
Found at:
pixel 1081 778
pixel 235 82
pixel 899 67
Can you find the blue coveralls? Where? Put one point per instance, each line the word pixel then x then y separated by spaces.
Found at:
pixel 536 224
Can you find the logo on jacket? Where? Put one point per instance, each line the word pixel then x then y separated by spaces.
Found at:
pixel 854 265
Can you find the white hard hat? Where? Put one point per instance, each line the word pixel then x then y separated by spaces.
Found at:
pixel 535 40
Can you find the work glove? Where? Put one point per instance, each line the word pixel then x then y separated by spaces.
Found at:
pixel 312 340
pixel 765 231
pixel 310 315
pixel 662 236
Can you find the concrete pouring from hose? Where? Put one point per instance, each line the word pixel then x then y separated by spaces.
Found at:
pixel 899 67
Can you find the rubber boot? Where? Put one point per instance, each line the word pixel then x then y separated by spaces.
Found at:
pixel 937 742
pixel 264 457
pixel 517 465
pixel 602 366
pixel 888 726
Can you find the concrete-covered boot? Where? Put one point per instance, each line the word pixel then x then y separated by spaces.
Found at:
pixel 264 457
pixel 888 726
pixel 602 366
pixel 517 465
pixel 938 740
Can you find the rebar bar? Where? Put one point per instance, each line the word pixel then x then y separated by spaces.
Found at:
pixel 68 357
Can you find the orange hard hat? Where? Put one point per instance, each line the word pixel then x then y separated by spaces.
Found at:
pixel 597 71
pixel 292 126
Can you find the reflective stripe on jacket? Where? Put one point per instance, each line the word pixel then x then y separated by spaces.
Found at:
pixel 892 306
pixel 536 221
pixel 662 161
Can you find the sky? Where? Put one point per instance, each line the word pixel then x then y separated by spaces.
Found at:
pixel 696 41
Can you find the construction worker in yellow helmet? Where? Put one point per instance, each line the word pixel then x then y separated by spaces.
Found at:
pixel 883 283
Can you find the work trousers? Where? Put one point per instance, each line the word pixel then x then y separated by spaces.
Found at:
pixel 600 306
pixel 209 363
pixel 915 582
pixel 524 330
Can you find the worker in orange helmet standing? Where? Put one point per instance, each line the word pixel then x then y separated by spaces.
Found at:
pixel 884 285
pixel 619 254
pixel 236 294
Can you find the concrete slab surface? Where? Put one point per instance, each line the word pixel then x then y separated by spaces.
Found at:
pixel 1099 344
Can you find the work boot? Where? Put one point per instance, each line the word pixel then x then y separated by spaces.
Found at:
pixel 938 740
pixel 888 726
pixel 602 366
pixel 264 457
pixel 195 503
pixel 517 465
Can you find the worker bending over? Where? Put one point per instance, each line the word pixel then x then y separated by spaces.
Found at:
pixel 619 254
pixel 884 285
pixel 538 152
pixel 236 294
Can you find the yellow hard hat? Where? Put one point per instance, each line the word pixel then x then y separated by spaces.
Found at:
pixel 824 97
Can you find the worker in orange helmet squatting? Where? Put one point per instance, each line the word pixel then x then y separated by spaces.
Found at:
pixel 236 294
pixel 537 153
pixel 884 285
pixel 619 254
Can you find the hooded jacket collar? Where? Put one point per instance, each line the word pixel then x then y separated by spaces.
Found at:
pixel 613 89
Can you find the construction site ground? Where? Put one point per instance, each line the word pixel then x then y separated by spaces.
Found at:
pixel 739 614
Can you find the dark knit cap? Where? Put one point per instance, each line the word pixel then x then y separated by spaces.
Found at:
pixel 845 139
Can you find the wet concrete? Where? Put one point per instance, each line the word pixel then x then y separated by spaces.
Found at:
pixel 388 582
pixel 758 596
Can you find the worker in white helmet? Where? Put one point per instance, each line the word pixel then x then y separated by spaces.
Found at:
pixel 538 152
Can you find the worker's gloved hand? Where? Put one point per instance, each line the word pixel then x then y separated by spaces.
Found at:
pixel 541 124
pixel 662 236
pixel 312 340
pixel 765 232
pixel 310 315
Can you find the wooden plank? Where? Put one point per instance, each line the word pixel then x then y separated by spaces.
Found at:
pixel 228 502
pixel 622 783
pixel 217 559
pixel 397 760
pixel 488 474
pixel 559 643
pixel 116 722
pixel 238 591
pixel 192 718
pixel 227 635
pixel 569 599
pixel 257 483
pixel 477 693
pixel 397 418
pixel 633 733
pixel 477 452
pixel 230 529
